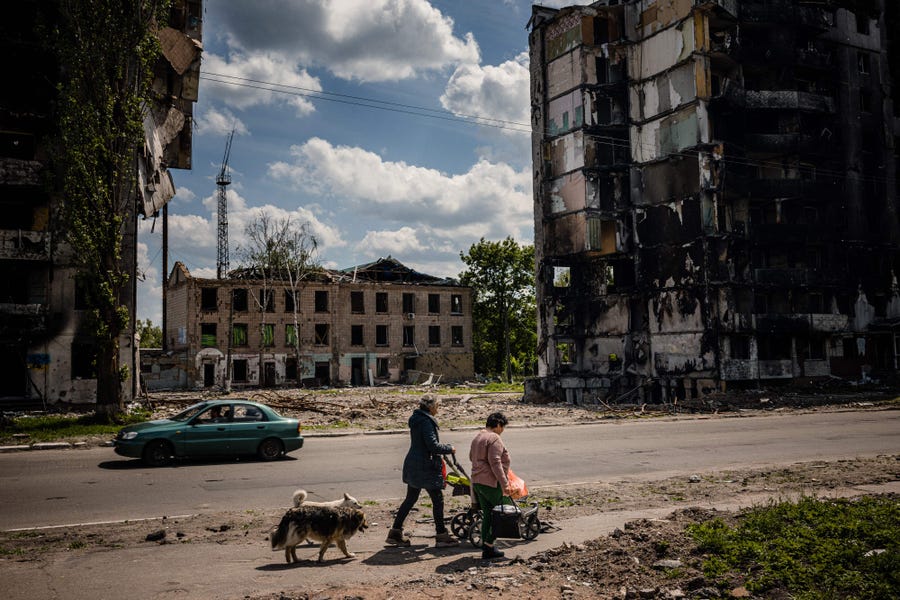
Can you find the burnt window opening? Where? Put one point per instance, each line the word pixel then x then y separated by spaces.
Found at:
pixel 865 104
pixel 209 298
pixel 357 303
pixel 267 300
pixel 760 304
pixel 774 347
pixel 862 63
pixel 289 301
pixel 381 302
pixel 862 23
pixel 456 335
pixel 356 335
pixel 816 303
pixel 813 348
pixel 239 370
pixel 207 335
pixel 566 353
pixel 409 335
pixel 239 299
pixel 409 303
pixel 290 368
pixel 456 304
pixel 739 347
pixel 84 360
pixel 321 334
pixel 381 335
pixel 562 277
pixel 321 301
pixel 434 335
pixel 381 367
pixel 434 303
pixel 239 334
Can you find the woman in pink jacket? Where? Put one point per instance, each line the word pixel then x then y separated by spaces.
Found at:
pixel 490 480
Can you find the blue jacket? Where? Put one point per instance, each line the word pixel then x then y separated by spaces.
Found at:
pixel 422 466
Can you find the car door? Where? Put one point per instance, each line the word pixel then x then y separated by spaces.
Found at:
pixel 248 428
pixel 208 434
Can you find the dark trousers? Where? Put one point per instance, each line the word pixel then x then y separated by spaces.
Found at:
pixel 488 497
pixel 437 506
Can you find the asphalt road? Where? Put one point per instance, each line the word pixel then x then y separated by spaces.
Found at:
pixel 57 487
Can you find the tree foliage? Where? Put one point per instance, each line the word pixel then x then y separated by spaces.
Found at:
pixel 106 49
pixel 151 335
pixel 501 275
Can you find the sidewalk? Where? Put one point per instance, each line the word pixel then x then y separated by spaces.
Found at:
pixel 236 570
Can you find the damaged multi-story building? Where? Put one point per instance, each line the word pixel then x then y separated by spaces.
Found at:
pixel 45 355
pixel 715 195
pixel 376 323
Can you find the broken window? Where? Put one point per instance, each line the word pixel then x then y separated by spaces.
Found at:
pixel 409 335
pixel 381 302
pixel 209 298
pixel 774 347
pixel 84 360
pixel 289 302
pixel 239 334
pixel 239 299
pixel 207 335
pixel 434 335
pixel 813 348
pixel 381 335
pixel 267 332
pixel 267 300
pixel 739 347
pixel 239 370
pixel 290 336
pixel 321 338
pixel 862 62
pixel 409 303
pixel 566 353
pixel 865 102
pixel 357 304
pixel 455 304
pixel 456 335
pixel 321 301
pixel 381 367
pixel 561 277
pixel 290 368
pixel 862 23
pixel 356 335
pixel 434 303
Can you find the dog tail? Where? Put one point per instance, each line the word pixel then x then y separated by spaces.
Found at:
pixel 279 534
pixel 299 497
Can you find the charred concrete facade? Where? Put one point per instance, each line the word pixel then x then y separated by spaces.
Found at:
pixel 45 356
pixel 375 323
pixel 716 196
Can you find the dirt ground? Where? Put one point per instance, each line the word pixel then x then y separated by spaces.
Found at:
pixel 623 565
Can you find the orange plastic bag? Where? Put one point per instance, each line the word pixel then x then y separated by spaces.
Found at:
pixel 517 486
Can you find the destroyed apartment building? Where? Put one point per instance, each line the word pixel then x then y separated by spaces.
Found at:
pixel 46 357
pixel 715 195
pixel 377 323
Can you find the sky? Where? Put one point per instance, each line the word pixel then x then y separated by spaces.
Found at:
pixel 391 127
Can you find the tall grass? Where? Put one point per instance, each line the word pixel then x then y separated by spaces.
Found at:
pixel 50 428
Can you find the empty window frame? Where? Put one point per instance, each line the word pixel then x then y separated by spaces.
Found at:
pixel 207 335
pixel 239 370
pixel 739 347
pixel 321 334
pixel 356 335
pixel 562 277
pixel 456 335
pixel 84 360
pixel 357 303
pixel 862 63
pixel 321 301
pixel 456 304
pixel 209 298
pixel 381 335
pixel 381 302
pixel 239 299
pixel 239 334
pixel 409 303
pixel 267 300
pixel 381 367
pixel 289 301
pixel 865 102
pixel 434 303
pixel 290 368
pixel 434 335
pixel 409 335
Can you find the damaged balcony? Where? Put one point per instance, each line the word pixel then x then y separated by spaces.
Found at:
pixel 787 12
pixel 18 318
pixel 16 244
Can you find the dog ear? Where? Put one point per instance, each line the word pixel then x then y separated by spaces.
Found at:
pixel 346 496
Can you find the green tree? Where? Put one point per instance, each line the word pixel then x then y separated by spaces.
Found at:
pixel 106 50
pixel 501 275
pixel 151 335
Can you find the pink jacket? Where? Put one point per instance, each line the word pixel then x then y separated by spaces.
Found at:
pixel 490 460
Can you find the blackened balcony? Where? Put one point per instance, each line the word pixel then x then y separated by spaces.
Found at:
pixel 786 12
pixel 781 233
pixel 18 320
pixel 18 244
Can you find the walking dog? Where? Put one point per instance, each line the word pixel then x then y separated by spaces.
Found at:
pixel 325 524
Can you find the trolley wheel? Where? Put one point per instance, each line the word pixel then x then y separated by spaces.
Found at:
pixel 532 527
pixel 459 525
pixel 475 532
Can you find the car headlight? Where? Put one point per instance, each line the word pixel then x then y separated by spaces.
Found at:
pixel 129 435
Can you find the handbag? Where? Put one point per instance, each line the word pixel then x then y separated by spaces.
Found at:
pixel 505 519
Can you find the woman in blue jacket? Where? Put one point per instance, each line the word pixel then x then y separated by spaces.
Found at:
pixel 422 470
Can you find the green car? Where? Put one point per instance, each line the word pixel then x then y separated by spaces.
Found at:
pixel 215 428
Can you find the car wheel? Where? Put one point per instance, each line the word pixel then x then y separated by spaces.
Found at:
pixel 270 449
pixel 158 453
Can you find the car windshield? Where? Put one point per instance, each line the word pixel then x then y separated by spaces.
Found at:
pixel 189 412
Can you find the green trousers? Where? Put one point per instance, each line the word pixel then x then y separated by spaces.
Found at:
pixel 488 497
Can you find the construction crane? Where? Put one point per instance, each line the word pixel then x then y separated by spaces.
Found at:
pixel 222 181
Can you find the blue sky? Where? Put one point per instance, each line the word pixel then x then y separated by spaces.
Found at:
pixel 370 182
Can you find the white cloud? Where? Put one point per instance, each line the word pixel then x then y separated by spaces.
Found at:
pixel 365 40
pixel 220 122
pixel 499 94
pixel 400 242
pixel 258 67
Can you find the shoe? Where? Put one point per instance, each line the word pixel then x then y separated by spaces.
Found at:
pixel 445 540
pixel 489 552
pixel 396 538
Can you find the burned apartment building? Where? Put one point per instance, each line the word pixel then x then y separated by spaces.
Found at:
pixel 45 355
pixel 715 195
pixel 376 323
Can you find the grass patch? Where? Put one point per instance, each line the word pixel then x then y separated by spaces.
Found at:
pixel 812 548
pixel 51 428
pixel 328 426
